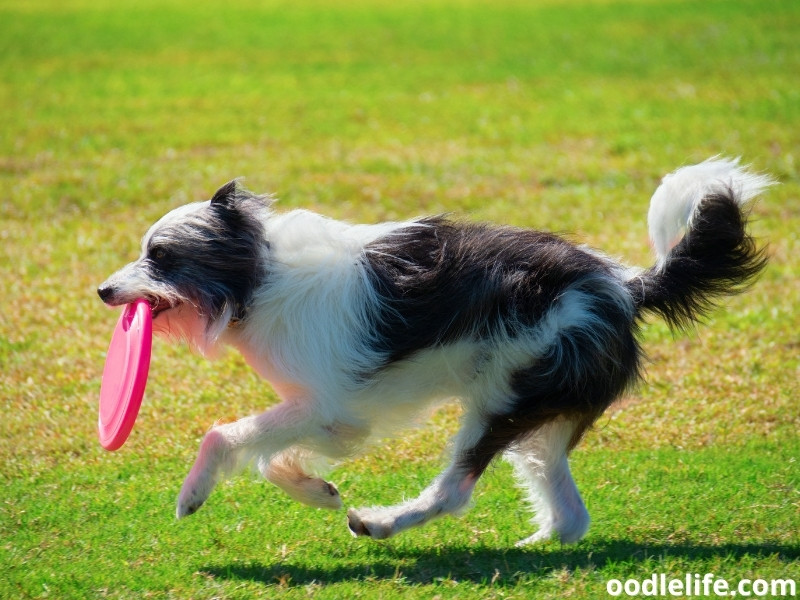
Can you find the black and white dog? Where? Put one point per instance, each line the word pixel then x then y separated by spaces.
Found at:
pixel 359 327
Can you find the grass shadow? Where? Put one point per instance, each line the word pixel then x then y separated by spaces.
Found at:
pixel 480 564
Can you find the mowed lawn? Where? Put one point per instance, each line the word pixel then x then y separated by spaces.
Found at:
pixel 559 115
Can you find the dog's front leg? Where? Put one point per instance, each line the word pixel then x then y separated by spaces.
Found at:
pixel 224 447
pixel 215 457
pixel 286 471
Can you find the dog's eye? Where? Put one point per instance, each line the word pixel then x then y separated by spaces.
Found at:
pixel 158 253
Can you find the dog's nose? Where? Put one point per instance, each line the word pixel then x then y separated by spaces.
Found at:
pixel 105 292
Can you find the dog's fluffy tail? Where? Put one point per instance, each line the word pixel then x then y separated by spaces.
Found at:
pixel 697 223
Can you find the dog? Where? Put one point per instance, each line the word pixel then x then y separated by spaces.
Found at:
pixel 359 327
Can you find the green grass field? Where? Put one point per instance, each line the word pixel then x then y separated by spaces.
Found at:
pixel 559 115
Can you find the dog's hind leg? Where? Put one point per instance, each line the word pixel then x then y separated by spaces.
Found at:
pixel 449 493
pixel 286 471
pixel 540 456
pixel 225 446
pixel 540 463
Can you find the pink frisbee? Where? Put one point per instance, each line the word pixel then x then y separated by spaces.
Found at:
pixel 125 374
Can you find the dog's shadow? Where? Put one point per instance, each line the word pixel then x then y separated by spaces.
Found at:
pixel 483 564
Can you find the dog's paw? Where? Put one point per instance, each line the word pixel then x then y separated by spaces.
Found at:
pixel 187 505
pixel 543 535
pixel 567 532
pixel 191 498
pixel 313 491
pixel 290 477
pixel 369 523
pixel 321 494
pixel 193 494
pixel 204 475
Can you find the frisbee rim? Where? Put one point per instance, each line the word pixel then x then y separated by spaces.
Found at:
pixel 125 377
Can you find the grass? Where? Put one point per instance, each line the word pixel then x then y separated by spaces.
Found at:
pixel 556 115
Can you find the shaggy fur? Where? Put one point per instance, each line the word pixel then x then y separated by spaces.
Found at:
pixel 359 327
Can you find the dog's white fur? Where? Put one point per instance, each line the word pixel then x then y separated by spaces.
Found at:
pixel 308 328
pixel 675 201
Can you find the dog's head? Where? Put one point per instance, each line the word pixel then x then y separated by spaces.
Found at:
pixel 200 263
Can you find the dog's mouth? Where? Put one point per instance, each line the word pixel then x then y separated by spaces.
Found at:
pixel 159 305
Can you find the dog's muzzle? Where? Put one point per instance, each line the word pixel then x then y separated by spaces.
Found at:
pixel 106 293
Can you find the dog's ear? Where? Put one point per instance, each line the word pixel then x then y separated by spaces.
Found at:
pixel 225 195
